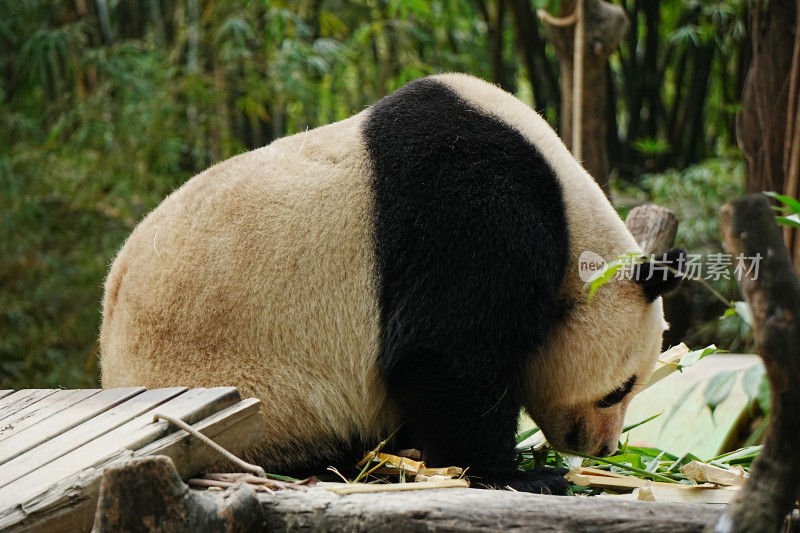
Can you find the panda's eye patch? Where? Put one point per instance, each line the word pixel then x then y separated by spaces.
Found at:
pixel 618 394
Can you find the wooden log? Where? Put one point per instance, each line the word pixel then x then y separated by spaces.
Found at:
pixel 147 494
pixel 456 509
pixel 772 291
pixel 653 227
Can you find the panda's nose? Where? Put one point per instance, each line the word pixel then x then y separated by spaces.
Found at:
pixel 604 451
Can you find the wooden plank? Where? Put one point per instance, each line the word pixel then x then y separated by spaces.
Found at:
pixel 69 505
pixel 6 392
pixel 41 410
pixel 90 430
pixel 22 399
pixel 49 428
pixel 697 494
pixel 234 428
pixel 137 432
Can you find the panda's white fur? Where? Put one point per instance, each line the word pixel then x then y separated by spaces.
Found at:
pixel 261 273
pixel 240 278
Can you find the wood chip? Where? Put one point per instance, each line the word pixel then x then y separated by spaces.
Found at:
pixel 667 363
pixel 646 490
pixel 394 464
pixel 706 473
pixel 625 483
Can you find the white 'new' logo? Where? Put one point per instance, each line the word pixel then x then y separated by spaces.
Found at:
pixel 589 263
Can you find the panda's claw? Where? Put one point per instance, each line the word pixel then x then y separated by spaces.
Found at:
pixel 545 480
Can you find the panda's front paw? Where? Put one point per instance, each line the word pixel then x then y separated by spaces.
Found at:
pixel 545 480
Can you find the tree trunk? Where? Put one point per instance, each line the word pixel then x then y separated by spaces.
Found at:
pixel 605 26
pixel 495 21
pixel 698 89
pixel 542 76
pixel 146 494
pixel 772 291
pixel 765 126
pixel 791 159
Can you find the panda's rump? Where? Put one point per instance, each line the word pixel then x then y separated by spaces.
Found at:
pixel 259 273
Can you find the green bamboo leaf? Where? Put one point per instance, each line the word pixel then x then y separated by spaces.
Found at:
pixel 601 277
pixel 694 356
pixel 609 270
pixel 651 146
pixel 637 424
pixel 751 381
pixel 718 389
pixel 527 433
pixel 738 456
pixel 631 459
pixel 685 34
pixel 625 465
pixel 652 452
pixel 684 459
pixel 791 221
pixel 790 202
pixel 653 465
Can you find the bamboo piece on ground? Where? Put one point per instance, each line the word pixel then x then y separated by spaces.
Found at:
pixel 706 473
pixel 358 488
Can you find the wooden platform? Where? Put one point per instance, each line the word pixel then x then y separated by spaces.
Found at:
pixel 54 444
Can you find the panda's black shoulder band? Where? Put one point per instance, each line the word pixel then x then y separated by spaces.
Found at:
pixel 471 246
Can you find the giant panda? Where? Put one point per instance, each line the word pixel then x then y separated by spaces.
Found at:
pixel 415 264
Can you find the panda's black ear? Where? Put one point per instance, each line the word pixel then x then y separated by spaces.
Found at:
pixel 660 275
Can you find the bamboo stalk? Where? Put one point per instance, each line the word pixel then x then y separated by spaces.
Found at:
pixel 397 487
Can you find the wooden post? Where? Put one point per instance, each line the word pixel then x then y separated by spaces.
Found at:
pixel 772 290
pixel 147 494
pixel 605 25
pixel 654 228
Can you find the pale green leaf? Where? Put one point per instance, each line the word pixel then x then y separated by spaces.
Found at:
pixel 718 389
pixel 743 310
pixel 751 381
pixel 694 356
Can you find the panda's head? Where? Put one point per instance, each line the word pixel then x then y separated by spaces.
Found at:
pixel 601 354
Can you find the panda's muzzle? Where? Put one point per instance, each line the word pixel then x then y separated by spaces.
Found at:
pixel 576 436
pixel 596 436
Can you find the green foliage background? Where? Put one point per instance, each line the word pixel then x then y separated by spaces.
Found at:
pixel 107 106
